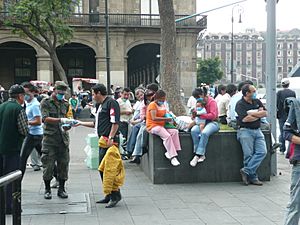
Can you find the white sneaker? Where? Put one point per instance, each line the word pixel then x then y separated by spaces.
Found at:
pixel 167 155
pixel 201 159
pixel 194 161
pixel 175 162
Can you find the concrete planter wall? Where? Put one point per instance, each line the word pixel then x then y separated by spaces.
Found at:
pixel 224 159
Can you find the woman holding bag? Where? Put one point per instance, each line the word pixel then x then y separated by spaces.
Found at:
pixel 156 119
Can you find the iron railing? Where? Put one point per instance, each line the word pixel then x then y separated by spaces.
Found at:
pixel 127 20
pixel 13 178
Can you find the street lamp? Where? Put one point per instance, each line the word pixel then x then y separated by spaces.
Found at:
pixel 240 10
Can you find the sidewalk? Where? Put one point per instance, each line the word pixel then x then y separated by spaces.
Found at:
pixel 144 203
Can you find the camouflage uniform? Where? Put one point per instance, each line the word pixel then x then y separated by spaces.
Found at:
pixel 55 144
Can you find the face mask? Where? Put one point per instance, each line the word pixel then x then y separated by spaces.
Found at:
pixel 124 99
pixel 160 102
pixel 27 98
pixel 199 108
pixel 60 96
pixel 199 99
pixel 254 96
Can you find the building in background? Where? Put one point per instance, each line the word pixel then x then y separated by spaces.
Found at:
pixel 249 53
pixel 134 44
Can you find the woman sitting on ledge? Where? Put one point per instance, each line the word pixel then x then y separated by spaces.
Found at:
pixel 200 138
pixel 155 122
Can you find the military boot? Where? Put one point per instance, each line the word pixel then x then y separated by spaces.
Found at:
pixel 47 194
pixel 114 199
pixel 61 190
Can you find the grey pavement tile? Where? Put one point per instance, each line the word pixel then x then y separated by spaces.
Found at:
pixel 227 201
pixel 185 222
pixel 241 211
pixel 149 210
pixel 149 220
pixel 175 203
pixel 274 216
pixel 81 220
pixel 182 214
pixel 192 198
pixel 257 220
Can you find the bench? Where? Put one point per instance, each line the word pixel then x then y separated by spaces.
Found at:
pixel 224 159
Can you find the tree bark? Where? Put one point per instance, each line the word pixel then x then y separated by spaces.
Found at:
pixel 169 76
pixel 60 70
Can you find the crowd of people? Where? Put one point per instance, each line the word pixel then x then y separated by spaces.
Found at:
pixel 27 124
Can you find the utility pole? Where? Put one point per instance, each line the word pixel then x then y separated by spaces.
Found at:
pixel 271 64
pixel 107 48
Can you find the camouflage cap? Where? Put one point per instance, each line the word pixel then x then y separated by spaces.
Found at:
pixel 60 85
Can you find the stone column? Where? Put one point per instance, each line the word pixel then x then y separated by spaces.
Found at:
pixel 44 68
pixel 101 69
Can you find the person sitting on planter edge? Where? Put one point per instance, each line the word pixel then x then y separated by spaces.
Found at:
pixel 200 138
pixel 155 122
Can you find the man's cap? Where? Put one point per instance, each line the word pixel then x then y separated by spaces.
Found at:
pixel 285 81
pixel 16 89
pixel 60 85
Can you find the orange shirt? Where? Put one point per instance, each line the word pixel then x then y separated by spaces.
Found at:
pixel 160 112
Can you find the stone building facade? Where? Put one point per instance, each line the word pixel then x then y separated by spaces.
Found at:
pixel 134 45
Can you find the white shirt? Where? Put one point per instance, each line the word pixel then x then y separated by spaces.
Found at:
pixel 223 104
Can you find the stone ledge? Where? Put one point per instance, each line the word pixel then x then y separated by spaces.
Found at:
pixel 224 159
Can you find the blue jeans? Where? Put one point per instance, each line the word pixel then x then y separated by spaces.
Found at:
pixel 200 143
pixel 281 137
pixel 138 148
pixel 132 137
pixel 293 208
pixel 254 149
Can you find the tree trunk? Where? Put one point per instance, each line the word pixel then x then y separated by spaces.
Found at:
pixel 60 70
pixel 169 77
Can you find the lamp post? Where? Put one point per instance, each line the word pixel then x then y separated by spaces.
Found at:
pixel 107 48
pixel 240 10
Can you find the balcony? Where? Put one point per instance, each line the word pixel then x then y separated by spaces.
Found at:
pixel 127 20
pixel 133 20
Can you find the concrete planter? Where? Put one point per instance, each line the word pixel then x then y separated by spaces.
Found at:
pixel 224 159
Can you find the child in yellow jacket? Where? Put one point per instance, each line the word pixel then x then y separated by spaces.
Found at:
pixel 113 172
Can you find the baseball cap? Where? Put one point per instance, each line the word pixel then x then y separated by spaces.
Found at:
pixel 285 81
pixel 16 89
pixel 60 85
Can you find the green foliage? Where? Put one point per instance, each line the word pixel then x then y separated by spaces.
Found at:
pixel 42 20
pixel 209 71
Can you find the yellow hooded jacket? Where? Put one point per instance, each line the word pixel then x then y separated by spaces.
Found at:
pixel 113 170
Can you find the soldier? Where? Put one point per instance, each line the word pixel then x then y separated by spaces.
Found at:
pixel 55 145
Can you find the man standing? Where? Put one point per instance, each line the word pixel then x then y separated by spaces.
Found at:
pixel 249 111
pixel 291 133
pixel 107 125
pixel 55 144
pixel 13 129
pixel 126 112
pixel 35 135
pixel 281 114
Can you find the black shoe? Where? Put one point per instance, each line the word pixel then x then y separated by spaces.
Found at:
pixel 244 177
pixel 114 199
pixel 62 193
pixel 136 160
pixel 276 145
pixel 47 194
pixel 104 200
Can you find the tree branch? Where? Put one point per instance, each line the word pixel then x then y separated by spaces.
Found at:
pixel 38 27
pixel 31 36
pixel 53 31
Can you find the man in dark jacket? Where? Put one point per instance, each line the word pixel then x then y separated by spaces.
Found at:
pixel 281 114
pixel 13 129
